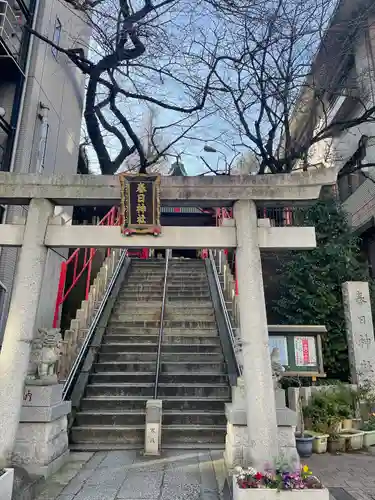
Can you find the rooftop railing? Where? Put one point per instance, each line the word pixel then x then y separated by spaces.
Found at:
pixel 11 28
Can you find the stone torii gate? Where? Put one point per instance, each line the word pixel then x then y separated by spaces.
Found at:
pixel 40 232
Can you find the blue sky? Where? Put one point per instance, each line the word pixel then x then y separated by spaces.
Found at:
pixel 177 41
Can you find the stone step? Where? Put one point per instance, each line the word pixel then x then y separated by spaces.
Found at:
pixel 126 330
pixel 166 367
pixel 156 295
pixel 137 417
pixel 175 305
pixel 137 403
pixel 192 314
pixel 143 270
pixel 198 390
pixel 147 313
pixel 195 435
pixel 126 435
pixel 166 348
pixel 134 307
pixel 182 266
pixel 119 377
pixel 188 296
pixel 115 418
pixel 108 377
pixel 135 297
pixel 117 403
pixel 173 324
pixel 173 390
pixel 152 271
pixel 194 417
pixel 103 447
pixel 172 291
pixel 124 389
pixel 200 309
pixel 141 283
pixel 128 366
pixel 171 277
pixel 136 281
pixel 165 357
pixel 210 338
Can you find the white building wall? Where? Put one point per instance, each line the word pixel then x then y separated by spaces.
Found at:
pixel 55 82
pixel 337 151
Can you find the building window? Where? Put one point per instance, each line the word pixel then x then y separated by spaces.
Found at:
pixel 56 36
pixel 2 214
pixel 42 145
pixel 348 184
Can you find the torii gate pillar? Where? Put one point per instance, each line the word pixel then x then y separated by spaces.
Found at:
pixel 257 372
pixel 19 331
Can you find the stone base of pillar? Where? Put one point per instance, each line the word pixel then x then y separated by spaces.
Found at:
pixel 237 446
pixel 41 446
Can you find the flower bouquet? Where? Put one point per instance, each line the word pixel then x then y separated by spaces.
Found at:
pixel 250 484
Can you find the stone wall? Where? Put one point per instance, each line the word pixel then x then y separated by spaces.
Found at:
pixel 41 445
pixel 79 326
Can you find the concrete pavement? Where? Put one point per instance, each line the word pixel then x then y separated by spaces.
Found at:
pixel 193 475
pixel 125 475
pixel 349 474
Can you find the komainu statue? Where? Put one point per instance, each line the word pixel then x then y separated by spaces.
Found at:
pixel 45 354
pixel 277 367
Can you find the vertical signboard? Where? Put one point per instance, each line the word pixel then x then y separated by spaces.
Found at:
pixel 360 333
pixel 140 204
pixel 305 351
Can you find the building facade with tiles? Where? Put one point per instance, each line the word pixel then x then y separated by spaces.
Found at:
pixel 344 73
pixel 41 104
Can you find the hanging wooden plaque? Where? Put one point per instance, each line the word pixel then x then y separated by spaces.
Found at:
pixel 140 204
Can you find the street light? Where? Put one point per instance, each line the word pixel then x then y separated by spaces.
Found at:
pixel 210 149
pixel 228 165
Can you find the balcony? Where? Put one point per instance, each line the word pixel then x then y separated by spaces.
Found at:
pixel 360 206
pixel 12 21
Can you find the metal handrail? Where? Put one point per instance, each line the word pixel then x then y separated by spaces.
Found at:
pixel 8 27
pixel 161 329
pixel 109 219
pixel 73 372
pixel 227 318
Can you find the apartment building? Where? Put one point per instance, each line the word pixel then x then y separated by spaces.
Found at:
pixel 41 105
pixel 344 72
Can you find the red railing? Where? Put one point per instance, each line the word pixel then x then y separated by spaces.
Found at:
pixel 112 218
pixel 220 215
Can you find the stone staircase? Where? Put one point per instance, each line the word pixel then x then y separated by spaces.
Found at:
pixel 193 382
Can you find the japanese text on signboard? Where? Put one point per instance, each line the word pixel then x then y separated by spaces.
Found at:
pixel 140 203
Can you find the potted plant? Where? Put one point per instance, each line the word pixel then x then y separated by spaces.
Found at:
pixel 314 417
pixel 325 414
pixel 334 443
pixel 6 483
pixel 304 440
pixel 279 484
pixel 366 401
pixel 352 439
pixel 369 432
pixel 352 397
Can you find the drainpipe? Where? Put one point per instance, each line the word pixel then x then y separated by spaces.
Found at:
pixel 23 94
